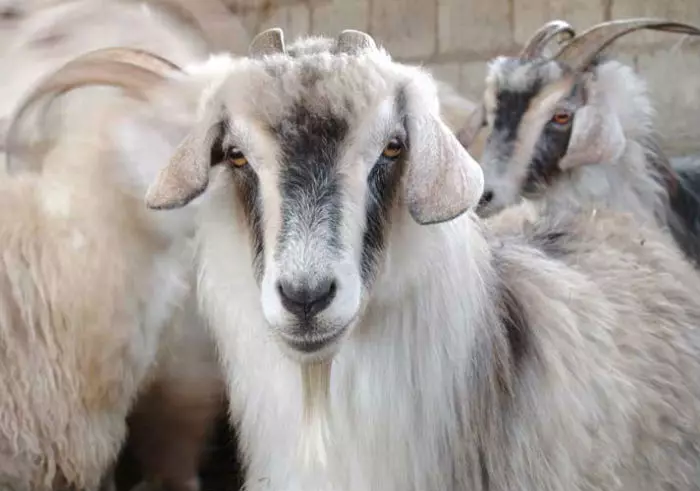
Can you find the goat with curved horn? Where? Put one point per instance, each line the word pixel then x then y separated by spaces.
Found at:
pixel 267 42
pixel 350 41
pixel 534 46
pixel 133 70
pixel 582 50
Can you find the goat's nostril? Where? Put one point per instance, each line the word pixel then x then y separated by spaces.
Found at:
pixel 305 300
pixel 486 197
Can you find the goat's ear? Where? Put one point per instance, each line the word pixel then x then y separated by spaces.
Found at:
pixel 596 136
pixel 186 175
pixel 471 127
pixel 442 179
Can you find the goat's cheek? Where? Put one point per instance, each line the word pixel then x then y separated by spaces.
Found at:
pixel 349 296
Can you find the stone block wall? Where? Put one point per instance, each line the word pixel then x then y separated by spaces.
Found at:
pixel 456 38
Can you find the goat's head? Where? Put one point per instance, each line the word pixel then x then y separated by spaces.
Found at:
pixel 322 143
pixel 548 115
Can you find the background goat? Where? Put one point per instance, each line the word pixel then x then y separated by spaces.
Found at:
pixel 78 281
pixel 577 129
pixel 463 356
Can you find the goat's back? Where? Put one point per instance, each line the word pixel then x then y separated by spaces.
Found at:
pixel 619 333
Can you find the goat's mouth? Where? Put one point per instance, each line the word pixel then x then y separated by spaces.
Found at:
pixel 307 347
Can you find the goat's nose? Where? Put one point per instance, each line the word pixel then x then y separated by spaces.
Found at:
pixel 306 300
pixel 486 197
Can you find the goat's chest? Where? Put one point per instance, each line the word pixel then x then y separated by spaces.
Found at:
pixel 391 420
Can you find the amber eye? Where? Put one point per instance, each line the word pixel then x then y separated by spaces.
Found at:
pixel 236 158
pixel 393 149
pixel 561 117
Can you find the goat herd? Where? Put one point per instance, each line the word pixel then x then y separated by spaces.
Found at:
pixel 300 236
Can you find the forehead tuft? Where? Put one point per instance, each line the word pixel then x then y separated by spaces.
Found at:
pixel 508 74
pixel 262 92
pixel 312 75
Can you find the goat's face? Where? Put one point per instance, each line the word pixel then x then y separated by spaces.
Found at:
pixel 529 112
pixel 543 120
pixel 321 150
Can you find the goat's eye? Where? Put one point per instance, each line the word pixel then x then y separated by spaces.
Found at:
pixel 393 149
pixel 561 117
pixel 236 158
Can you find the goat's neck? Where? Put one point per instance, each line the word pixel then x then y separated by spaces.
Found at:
pixel 629 185
pixel 407 368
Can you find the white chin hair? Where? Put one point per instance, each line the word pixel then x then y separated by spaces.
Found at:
pixel 315 435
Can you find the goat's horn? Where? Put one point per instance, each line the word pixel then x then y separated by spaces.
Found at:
pixel 131 70
pixel 534 46
pixel 267 42
pixel 134 56
pixel 350 41
pixel 582 50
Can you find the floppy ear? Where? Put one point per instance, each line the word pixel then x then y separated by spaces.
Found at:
pixel 442 179
pixel 596 136
pixel 186 175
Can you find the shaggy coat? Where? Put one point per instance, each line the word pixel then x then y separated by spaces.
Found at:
pixel 604 153
pixel 96 293
pixel 554 353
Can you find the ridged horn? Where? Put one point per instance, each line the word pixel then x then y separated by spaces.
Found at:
pixel 582 50
pixel 352 41
pixel 536 44
pixel 134 71
pixel 267 42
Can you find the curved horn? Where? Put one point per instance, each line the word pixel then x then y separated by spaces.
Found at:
pixel 582 50
pixel 267 42
pixel 134 56
pixel 352 41
pixel 534 46
pixel 134 71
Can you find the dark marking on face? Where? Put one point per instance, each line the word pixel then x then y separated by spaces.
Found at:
pixel 310 185
pixel 511 106
pixel 247 191
pixel 383 184
pixel 550 148
pixel 247 187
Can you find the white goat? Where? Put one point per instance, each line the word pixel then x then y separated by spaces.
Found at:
pixel 577 130
pixel 96 304
pixel 462 357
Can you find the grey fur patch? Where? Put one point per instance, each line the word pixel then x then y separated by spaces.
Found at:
pixel 309 183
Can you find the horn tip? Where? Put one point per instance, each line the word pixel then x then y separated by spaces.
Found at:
pixel 267 42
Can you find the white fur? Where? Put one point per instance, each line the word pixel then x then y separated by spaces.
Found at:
pixel 102 285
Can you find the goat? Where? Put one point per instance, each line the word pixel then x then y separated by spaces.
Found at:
pixel 96 295
pixel 576 129
pixel 462 116
pixel 336 208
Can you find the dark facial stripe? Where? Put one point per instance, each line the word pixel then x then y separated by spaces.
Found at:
pixel 247 186
pixel 550 148
pixel 246 181
pixel 309 183
pixel 382 184
pixel 510 109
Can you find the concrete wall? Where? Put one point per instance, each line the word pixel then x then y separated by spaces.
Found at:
pixel 455 38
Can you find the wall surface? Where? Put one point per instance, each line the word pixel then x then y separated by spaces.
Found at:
pixel 456 38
